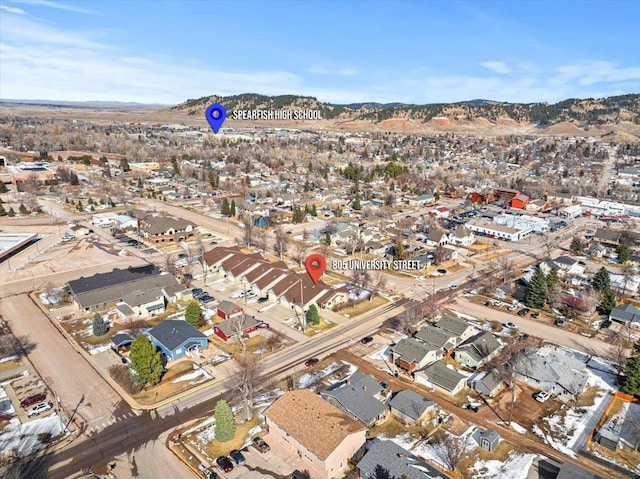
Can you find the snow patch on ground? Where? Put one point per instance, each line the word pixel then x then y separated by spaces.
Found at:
pixel 195 374
pixel 308 379
pixel 23 438
pixel 557 445
pixel 518 428
pixel 515 467
pixel 382 355
pixel 13 357
pixel 96 348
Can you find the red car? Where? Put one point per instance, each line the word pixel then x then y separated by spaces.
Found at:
pixel 35 399
pixel 224 463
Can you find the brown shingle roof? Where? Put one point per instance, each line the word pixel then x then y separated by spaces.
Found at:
pixel 312 421
pixel 219 253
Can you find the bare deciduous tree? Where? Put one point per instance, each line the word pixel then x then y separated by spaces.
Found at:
pixel 248 229
pixel 299 252
pixel 247 378
pixel 451 449
pixel 280 242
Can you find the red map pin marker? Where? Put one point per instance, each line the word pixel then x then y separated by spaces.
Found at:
pixel 315 265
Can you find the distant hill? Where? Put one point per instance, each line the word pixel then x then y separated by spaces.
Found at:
pixel 579 112
pixel 86 105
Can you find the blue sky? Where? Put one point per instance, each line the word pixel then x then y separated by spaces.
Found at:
pixel 339 51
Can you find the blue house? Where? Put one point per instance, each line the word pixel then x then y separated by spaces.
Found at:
pixel 176 337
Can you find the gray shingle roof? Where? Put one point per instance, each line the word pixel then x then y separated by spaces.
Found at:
pixel 569 470
pixel 356 396
pixel 630 431
pixel 436 336
pixel 410 403
pixel 412 350
pixel 480 346
pixel 387 456
pixel 172 333
pixel 138 298
pixel 117 276
pixel 627 313
pixel 553 365
pixel 439 374
pixel 117 292
pixel 455 325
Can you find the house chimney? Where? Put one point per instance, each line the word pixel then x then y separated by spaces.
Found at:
pixel 364 388
pixel 348 381
pixel 400 455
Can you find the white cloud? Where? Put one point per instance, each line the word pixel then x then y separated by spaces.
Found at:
pixel 56 5
pixel 346 72
pixel 15 11
pixel 498 67
pixel 591 72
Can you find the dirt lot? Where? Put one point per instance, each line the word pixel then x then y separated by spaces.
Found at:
pixel 526 410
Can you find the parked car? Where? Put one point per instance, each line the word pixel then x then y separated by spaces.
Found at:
pixel 249 294
pixel 559 322
pixel 442 271
pixel 535 314
pixel 311 362
pixel 208 473
pixel 523 312
pixel 237 457
pixel 262 325
pixel 260 444
pixel 31 400
pixel 366 340
pixel 471 407
pixel 606 324
pixel 297 475
pixel 224 463
pixel 197 292
pixel 523 337
pixel 541 396
pixel 207 298
pixel 263 299
pixel 453 286
pixel 39 408
pixel 512 307
pixel 511 325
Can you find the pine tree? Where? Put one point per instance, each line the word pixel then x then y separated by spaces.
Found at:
pixel 100 327
pixel 553 285
pixel 576 245
pixel 536 294
pixel 23 209
pixel 11 213
pixel 225 423
pixel 2 210
pixel 146 361
pixel 601 280
pixel 224 209
pixel 3 187
pixel 630 380
pixel 232 208
pixel 608 301
pixel 314 211
pixel 356 203
pixel 623 253
pixel 312 316
pixel 192 314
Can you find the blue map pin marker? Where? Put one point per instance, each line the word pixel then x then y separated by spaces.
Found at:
pixel 216 114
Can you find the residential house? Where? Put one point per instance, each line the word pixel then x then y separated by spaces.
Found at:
pixel 322 436
pixel 166 230
pixel 104 290
pixel 560 199
pixel 177 292
pixel 79 231
pixel 385 459
pixel 477 350
pixel 462 236
pixel 569 470
pixel 440 377
pixel 214 258
pixel 411 354
pixel 144 303
pixel 437 237
pixel 552 369
pixel 228 309
pixel 536 206
pixel 441 338
pixel 421 200
pixel 627 314
pixel 488 383
pixel 360 397
pixel 564 266
pixel 229 328
pixel 175 338
pixel 412 408
pixel 457 326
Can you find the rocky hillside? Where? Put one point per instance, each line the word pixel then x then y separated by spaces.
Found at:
pixel 580 112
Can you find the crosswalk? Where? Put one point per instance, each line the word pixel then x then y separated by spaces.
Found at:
pixel 100 427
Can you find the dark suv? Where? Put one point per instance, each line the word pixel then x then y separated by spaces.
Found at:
pixel 31 400
pixel 260 444
pixel 224 463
